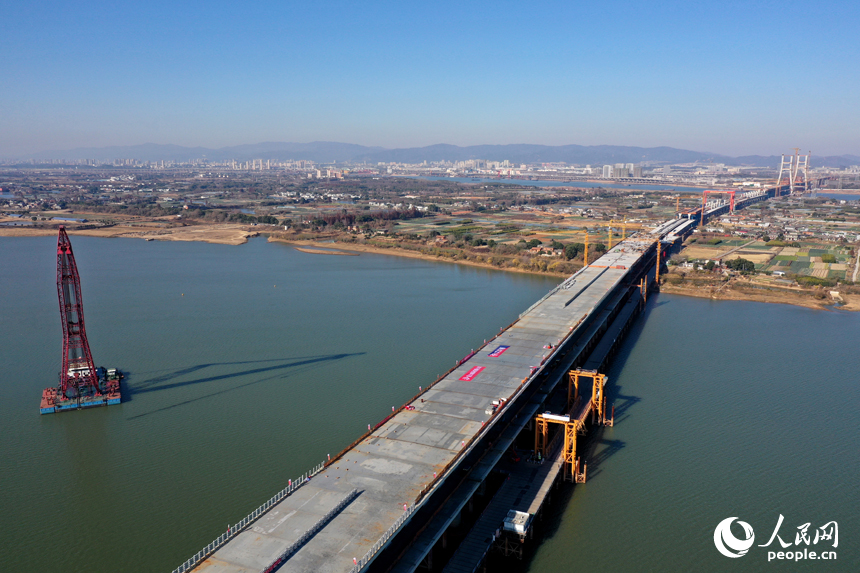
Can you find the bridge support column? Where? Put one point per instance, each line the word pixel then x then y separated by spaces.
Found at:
pixel 571 462
pixel 573 389
pixel 541 436
pixel 598 399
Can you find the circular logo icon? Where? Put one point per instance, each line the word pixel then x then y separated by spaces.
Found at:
pixel 727 543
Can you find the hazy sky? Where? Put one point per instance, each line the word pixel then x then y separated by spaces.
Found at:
pixel 726 77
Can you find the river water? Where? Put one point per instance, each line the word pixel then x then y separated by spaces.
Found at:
pixel 578 184
pixel 723 409
pixel 247 365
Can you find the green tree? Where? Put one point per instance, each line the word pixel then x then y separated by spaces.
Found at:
pixel 710 266
pixel 534 243
pixel 570 251
pixel 741 265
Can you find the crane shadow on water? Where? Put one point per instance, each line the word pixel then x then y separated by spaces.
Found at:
pixel 599 450
pixel 287 366
pixel 621 404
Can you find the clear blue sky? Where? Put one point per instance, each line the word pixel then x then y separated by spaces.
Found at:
pixel 726 77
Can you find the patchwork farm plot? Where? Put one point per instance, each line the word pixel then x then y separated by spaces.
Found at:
pixel 809 259
pixel 815 260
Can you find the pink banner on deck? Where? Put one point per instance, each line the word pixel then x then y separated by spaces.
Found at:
pixel 470 375
pixel 498 351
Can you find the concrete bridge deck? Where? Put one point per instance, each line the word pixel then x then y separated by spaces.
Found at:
pixel 406 459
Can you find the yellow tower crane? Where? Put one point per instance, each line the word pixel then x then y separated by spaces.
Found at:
pixel 586 247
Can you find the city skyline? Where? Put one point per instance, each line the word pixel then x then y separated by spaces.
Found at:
pixel 346 153
pixel 728 79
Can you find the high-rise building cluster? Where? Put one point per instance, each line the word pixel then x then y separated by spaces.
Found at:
pixel 622 170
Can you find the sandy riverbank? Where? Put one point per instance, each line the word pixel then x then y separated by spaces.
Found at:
pixel 219 234
pixel 394 251
pixel 799 298
pixel 325 252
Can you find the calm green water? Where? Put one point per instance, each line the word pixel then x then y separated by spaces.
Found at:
pixel 273 358
pixel 723 409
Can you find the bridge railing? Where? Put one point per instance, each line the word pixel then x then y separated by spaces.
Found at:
pixel 310 532
pixel 248 520
pixel 380 543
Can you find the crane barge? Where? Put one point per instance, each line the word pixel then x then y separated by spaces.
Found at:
pixel 81 384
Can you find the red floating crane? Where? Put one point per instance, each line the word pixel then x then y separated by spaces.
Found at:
pixel 78 376
pixel 80 385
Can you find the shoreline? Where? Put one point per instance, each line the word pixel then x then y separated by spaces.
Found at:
pixel 239 235
pixel 215 234
pixel 396 252
pixel 794 299
pixel 799 298
pixel 314 251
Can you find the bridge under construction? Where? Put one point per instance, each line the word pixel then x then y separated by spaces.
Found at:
pixel 476 451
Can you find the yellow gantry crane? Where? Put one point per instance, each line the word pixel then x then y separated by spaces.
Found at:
pixel 569 459
pixel 574 470
pixel 598 398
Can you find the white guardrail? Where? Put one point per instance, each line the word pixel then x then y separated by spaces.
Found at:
pixel 310 532
pixel 252 517
pixel 368 557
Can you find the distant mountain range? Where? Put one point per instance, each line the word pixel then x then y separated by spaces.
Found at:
pixel 329 152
